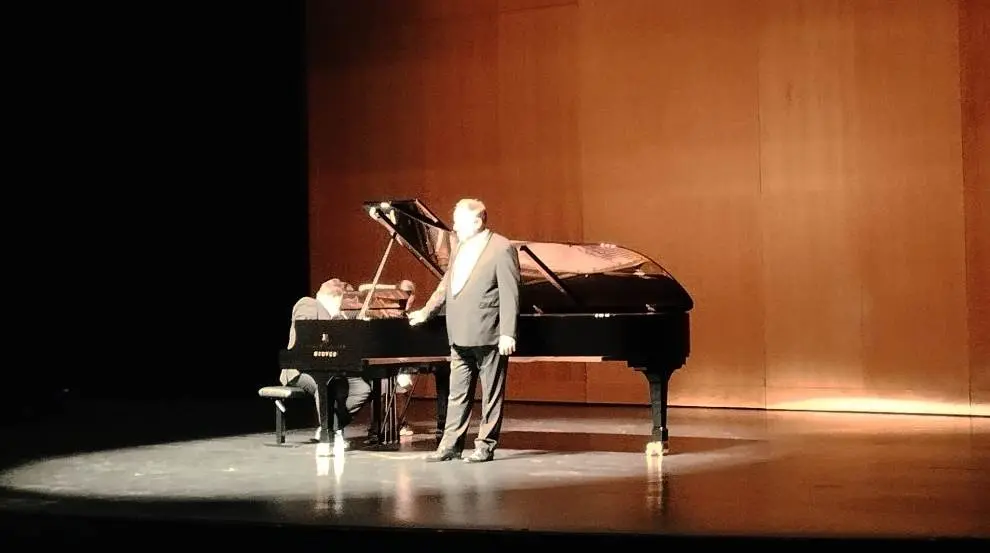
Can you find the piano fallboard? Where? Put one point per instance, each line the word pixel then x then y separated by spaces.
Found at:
pixel 640 339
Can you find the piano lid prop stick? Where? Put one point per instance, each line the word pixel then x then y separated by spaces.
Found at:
pixel 363 314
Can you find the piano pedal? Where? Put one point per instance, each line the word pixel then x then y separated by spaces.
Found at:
pixel 657 449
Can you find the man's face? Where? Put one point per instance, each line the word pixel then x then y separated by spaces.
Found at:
pixel 466 223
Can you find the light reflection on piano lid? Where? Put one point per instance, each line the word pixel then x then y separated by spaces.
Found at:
pixel 568 260
pixel 557 277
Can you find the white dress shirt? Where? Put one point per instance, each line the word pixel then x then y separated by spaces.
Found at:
pixel 467 256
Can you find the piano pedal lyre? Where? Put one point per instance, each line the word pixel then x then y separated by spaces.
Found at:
pixel 386 431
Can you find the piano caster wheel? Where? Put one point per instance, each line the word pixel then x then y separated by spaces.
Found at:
pixel 657 449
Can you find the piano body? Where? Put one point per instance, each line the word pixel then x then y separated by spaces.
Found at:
pixel 580 302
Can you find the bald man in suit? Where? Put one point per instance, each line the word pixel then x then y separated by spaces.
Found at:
pixel 480 297
pixel 348 395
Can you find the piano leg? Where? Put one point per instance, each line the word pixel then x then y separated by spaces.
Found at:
pixel 376 412
pixel 658 379
pixel 390 426
pixel 323 448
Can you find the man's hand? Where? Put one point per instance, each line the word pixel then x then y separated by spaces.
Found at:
pixel 506 345
pixel 416 317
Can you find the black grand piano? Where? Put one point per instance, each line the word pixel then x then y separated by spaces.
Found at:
pixel 582 302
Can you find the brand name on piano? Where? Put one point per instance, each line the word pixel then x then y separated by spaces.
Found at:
pixel 324 354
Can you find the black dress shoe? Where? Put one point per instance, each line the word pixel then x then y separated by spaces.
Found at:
pixel 480 457
pixel 441 456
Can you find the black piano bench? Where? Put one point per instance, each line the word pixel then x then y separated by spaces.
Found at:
pixel 280 393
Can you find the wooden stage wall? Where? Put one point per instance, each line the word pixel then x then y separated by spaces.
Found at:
pixel 815 172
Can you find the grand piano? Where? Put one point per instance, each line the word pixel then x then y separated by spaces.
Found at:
pixel 583 302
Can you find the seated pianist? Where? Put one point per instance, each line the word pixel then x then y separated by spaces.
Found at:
pixel 337 299
pixel 347 395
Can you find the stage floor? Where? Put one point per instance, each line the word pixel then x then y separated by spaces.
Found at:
pixel 560 469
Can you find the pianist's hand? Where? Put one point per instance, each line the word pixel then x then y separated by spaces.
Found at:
pixel 416 317
pixel 506 345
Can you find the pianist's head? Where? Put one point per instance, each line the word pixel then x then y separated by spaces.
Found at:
pixel 331 294
pixel 470 218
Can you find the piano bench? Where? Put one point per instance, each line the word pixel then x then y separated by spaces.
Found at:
pixel 279 393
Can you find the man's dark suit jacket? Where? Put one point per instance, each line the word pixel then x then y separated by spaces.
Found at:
pixel 488 305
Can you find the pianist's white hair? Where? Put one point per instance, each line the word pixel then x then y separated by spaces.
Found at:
pixel 334 288
pixel 475 206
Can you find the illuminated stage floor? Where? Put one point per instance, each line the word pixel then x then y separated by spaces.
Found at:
pixel 575 473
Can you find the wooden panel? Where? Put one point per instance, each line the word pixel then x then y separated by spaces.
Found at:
pixel 537 121
pixel 752 396
pixel 801 166
pixel 670 166
pixel 460 138
pixel 531 381
pixel 425 387
pixel 538 381
pixel 811 213
pixel 614 382
pixel 371 149
pixel 863 400
pixel 909 181
pixel 515 5
pixel 418 120
pixel 974 38
pixel 980 402
pixel 388 12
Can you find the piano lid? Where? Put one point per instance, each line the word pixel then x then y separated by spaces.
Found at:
pixel 557 277
pixel 418 229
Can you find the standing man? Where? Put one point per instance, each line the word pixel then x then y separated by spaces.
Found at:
pixel 480 296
